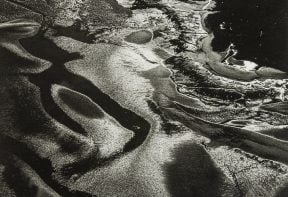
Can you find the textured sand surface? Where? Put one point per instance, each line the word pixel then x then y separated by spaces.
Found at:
pixel 129 98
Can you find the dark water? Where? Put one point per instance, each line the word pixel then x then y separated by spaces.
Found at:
pixel 45 49
pixel 57 74
pixel 258 29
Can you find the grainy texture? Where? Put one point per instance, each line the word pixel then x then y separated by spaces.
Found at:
pixel 143 98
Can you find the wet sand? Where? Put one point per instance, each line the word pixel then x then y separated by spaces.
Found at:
pixel 139 37
pixel 108 119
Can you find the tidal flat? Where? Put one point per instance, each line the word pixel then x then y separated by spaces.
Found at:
pixel 143 98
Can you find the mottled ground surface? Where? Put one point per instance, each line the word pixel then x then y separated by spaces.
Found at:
pixel 133 98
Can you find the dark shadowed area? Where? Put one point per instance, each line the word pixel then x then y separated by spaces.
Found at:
pixel 258 28
pixel 193 173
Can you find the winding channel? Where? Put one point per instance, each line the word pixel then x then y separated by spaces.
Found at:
pixel 57 74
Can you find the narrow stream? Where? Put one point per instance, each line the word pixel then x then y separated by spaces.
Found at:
pixel 44 48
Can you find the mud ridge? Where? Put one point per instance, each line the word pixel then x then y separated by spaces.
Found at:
pixel 180 42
